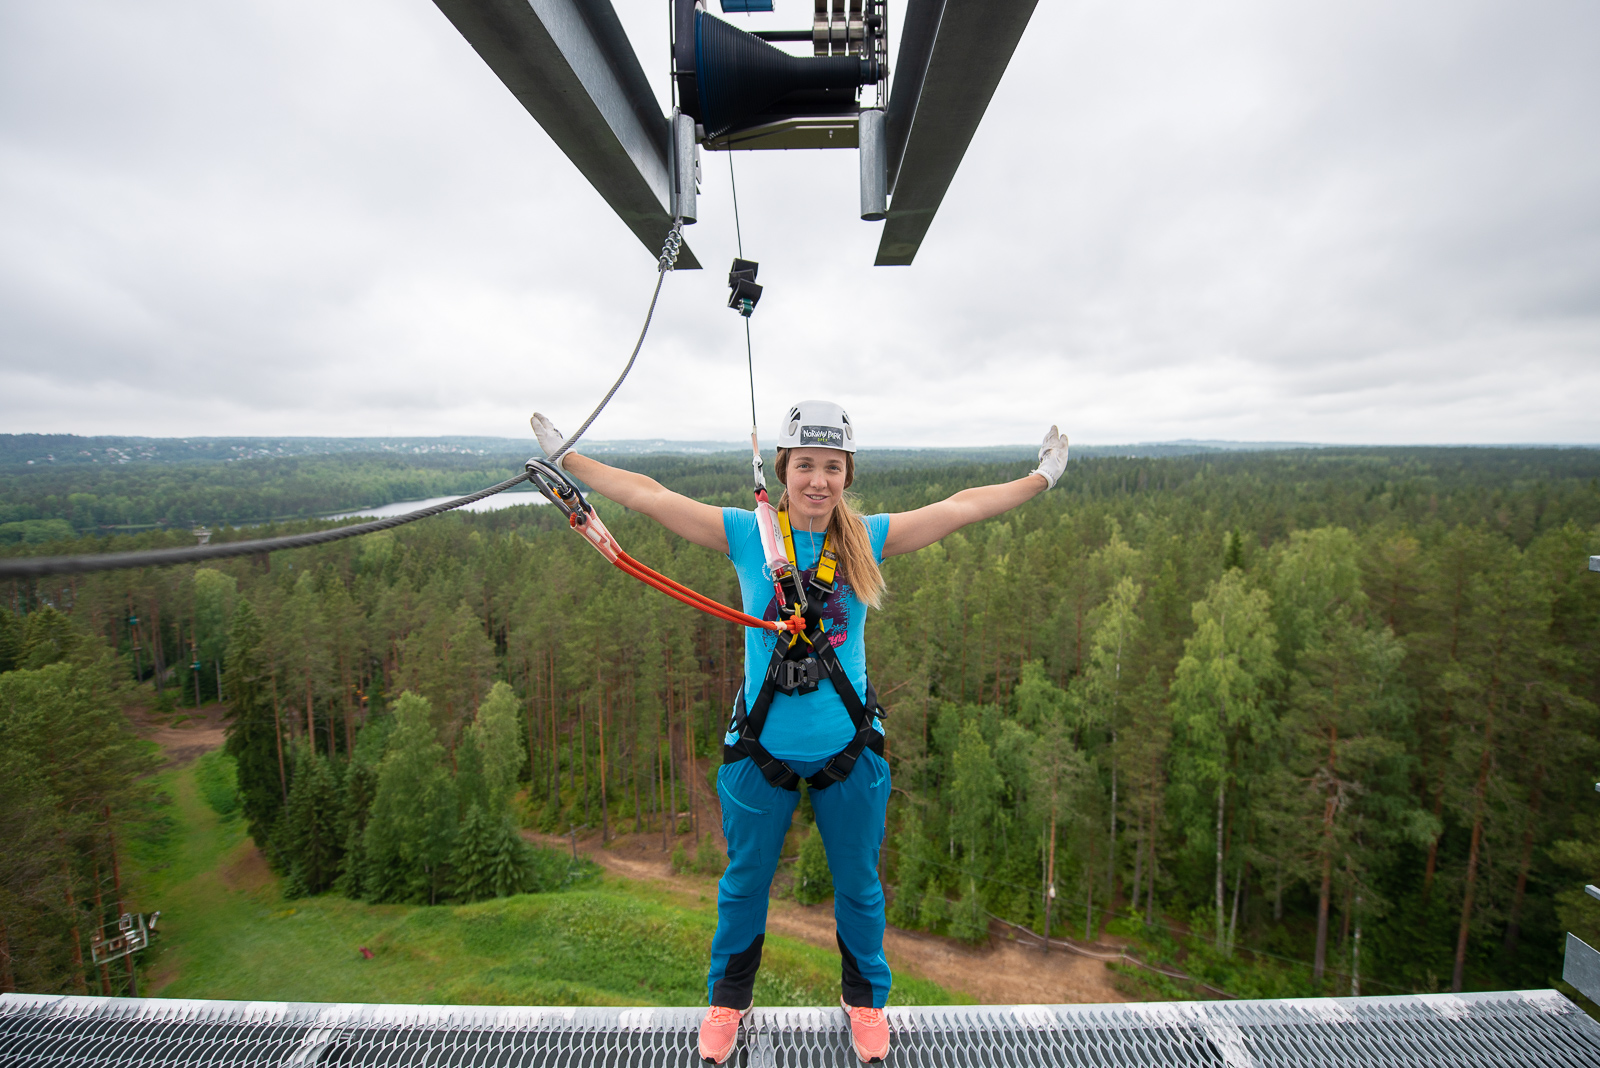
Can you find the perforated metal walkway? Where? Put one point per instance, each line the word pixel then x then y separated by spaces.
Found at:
pixel 1535 1027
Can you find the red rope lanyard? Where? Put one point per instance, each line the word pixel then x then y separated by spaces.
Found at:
pixel 596 534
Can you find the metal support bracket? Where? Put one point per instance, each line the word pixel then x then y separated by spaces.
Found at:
pixel 570 64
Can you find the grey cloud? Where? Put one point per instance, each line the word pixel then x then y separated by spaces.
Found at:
pixel 1320 221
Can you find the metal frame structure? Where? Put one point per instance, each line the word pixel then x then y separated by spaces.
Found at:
pixel 951 58
pixel 570 64
pixel 1520 1028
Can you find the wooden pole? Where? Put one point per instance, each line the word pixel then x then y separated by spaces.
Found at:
pixel 100 918
pixel 277 730
pixel 8 979
pixel 600 728
pixel 672 763
pixel 116 882
pixel 78 982
pixel 1050 881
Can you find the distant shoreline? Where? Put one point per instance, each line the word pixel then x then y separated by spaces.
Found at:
pixel 45 450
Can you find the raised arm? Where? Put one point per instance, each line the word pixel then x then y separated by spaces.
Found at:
pixel 684 516
pixel 910 531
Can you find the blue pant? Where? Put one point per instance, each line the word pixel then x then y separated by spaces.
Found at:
pixel 755 819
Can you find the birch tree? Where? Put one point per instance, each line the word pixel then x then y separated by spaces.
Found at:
pixel 1219 701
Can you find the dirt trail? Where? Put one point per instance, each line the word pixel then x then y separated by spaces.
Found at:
pixel 1003 972
pixel 184 734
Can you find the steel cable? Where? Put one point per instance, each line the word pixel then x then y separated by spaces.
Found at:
pixel 667 261
pixel 37 566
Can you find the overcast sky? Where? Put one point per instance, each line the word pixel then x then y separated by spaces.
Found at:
pixel 1350 221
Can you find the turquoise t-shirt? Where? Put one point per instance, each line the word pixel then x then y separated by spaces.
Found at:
pixel 811 726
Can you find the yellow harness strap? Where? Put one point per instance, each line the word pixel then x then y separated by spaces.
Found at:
pixel 827 562
pixel 788 536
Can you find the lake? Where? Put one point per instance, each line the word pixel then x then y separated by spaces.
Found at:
pixel 508 499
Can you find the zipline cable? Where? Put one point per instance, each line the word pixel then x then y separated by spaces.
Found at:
pixel 35 566
pixel 38 566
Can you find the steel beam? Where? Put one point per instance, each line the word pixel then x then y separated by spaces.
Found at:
pixel 570 63
pixel 952 56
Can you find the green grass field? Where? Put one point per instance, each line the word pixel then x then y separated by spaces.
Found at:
pixel 227 932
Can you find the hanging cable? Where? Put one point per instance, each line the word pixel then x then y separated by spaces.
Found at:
pixel 743 299
pixel 36 566
pixel 738 234
pixel 667 261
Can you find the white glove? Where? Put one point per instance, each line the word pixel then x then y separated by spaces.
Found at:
pixel 1052 457
pixel 550 439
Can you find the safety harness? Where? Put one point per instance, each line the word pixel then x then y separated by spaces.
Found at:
pixel 796 667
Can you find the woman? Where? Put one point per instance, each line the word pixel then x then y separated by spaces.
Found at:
pixel 806 712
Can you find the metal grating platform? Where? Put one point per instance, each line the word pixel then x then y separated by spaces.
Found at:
pixel 1535 1027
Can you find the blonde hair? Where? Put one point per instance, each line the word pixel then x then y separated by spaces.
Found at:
pixel 857 565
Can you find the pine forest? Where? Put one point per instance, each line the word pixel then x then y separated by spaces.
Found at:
pixel 1308 721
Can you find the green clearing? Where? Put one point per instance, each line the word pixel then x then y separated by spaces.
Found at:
pixel 227 932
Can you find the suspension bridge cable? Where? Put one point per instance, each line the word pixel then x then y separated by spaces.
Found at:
pixel 37 566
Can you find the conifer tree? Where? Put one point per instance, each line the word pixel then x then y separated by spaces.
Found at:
pixel 70 763
pixel 11 641
pixel 308 841
pixel 969 921
pixel 1059 775
pixel 412 826
pixel 813 882
pixel 254 737
pixel 303 644
pixel 360 787
pixel 473 856
pixel 490 859
pixel 1108 682
pixel 913 869
pixel 1346 716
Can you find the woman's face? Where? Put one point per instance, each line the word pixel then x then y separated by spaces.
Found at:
pixel 815 480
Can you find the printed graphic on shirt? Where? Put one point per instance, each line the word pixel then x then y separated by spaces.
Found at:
pixel 835 611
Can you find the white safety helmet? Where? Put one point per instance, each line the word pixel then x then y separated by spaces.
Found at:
pixel 817 424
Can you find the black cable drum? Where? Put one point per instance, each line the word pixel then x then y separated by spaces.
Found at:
pixel 738 76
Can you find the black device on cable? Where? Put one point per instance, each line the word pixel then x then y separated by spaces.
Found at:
pixel 743 293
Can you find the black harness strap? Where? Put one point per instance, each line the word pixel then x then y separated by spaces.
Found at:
pixel 786 674
pixel 797 668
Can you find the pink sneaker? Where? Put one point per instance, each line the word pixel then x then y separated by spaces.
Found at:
pixel 869 1032
pixel 719 1032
